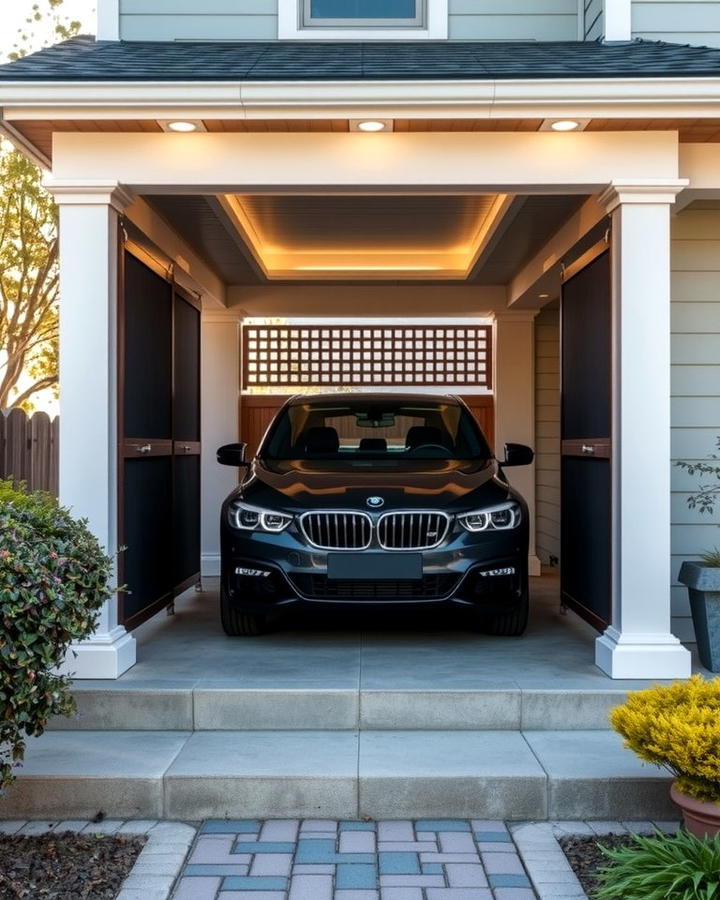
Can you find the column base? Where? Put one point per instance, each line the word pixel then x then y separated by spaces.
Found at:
pixel 100 656
pixel 534 566
pixel 637 655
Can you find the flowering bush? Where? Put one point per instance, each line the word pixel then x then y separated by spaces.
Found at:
pixel 677 727
pixel 54 577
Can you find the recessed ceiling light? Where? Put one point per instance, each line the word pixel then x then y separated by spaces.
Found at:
pixel 371 126
pixel 543 296
pixel 565 125
pixel 183 127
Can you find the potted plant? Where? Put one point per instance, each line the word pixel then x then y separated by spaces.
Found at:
pixel 703 578
pixel 677 727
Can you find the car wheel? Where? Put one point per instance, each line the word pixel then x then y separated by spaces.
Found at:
pixel 509 624
pixel 240 624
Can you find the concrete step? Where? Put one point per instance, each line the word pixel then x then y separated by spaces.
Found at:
pixel 501 774
pixel 217 706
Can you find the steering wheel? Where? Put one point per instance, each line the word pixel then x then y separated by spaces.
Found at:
pixel 429 447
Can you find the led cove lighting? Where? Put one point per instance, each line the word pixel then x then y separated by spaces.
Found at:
pixel 371 126
pixel 565 125
pixel 351 268
pixel 183 127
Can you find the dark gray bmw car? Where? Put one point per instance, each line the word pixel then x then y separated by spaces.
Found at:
pixel 374 499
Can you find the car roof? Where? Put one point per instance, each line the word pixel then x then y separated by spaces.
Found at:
pixel 372 397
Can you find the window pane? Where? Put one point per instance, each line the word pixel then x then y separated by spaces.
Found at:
pixel 363 9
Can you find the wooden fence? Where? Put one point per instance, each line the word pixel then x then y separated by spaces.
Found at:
pixel 29 449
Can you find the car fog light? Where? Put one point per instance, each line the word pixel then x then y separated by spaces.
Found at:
pixel 252 573
pixel 491 573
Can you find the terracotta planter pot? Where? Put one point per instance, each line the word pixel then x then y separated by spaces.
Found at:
pixel 701 818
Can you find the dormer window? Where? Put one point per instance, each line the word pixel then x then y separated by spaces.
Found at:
pixel 363 13
pixel 363 20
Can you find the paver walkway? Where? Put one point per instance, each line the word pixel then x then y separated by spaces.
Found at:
pixel 326 860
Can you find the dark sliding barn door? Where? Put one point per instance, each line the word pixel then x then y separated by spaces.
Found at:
pixel 159 477
pixel 586 428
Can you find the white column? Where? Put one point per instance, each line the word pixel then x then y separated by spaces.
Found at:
pixel 220 406
pixel 88 394
pixel 638 643
pixel 617 15
pixel 514 386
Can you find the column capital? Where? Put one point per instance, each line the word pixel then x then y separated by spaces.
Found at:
pixel 663 190
pixel 89 193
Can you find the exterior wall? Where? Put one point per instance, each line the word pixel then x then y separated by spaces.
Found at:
pixel 547 435
pixel 681 22
pixel 593 24
pixel 695 382
pixel 491 20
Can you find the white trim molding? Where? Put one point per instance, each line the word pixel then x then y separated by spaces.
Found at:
pixel 652 191
pixel 108 20
pixel 89 193
pixel 617 20
pixel 290 28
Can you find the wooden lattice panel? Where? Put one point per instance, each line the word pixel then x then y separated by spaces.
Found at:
pixel 368 356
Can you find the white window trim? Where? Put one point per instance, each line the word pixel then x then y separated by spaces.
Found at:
pixel 108 20
pixel 290 28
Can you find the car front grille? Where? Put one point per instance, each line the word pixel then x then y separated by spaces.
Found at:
pixel 337 530
pixel 429 587
pixel 412 530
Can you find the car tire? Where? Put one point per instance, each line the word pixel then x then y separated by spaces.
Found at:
pixel 240 624
pixel 509 624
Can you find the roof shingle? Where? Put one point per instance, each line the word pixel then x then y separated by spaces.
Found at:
pixel 85 59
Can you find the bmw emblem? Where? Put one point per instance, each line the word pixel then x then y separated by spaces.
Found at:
pixel 375 502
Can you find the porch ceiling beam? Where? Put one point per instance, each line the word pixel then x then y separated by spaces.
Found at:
pixel 700 163
pixel 404 163
pixel 512 98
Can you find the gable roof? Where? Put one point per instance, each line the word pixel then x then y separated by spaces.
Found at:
pixel 85 59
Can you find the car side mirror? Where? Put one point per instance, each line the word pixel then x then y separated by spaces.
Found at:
pixel 517 455
pixel 232 455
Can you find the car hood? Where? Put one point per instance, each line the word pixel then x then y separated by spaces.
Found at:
pixel 416 484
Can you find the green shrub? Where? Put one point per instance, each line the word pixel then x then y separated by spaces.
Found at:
pixel 664 867
pixel 711 558
pixel 54 577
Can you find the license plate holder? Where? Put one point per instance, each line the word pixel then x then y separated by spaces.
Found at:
pixel 375 566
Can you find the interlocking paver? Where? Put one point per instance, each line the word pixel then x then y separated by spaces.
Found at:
pixel 311 887
pixel 461 875
pixel 502 864
pixel 271 864
pixel 197 889
pixel 321 859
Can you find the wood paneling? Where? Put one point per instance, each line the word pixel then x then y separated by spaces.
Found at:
pixel 256 413
pixel 39 132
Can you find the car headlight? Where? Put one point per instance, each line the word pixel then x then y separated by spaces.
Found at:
pixel 494 518
pixel 252 518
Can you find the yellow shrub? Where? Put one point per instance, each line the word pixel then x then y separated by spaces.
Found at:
pixel 677 727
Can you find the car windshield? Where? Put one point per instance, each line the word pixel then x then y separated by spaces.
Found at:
pixel 375 429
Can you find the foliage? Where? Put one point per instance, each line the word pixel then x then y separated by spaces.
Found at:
pixel 711 558
pixel 54 578
pixel 708 492
pixel 28 251
pixel 663 867
pixel 677 727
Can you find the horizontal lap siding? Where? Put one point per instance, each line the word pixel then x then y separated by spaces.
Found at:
pixel 513 20
pixel 678 21
pixel 488 20
pixel 593 25
pixel 167 20
pixel 695 399
pixel 547 435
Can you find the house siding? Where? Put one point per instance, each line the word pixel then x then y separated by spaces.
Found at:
pixel 695 383
pixel 512 20
pixel 593 21
pixel 680 21
pixel 547 435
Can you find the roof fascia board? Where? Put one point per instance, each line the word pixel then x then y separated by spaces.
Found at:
pixel 301 99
